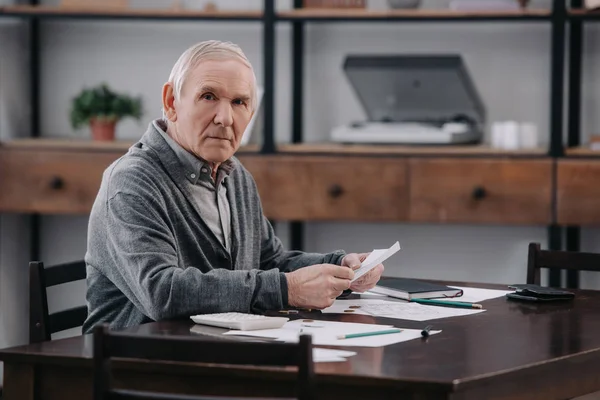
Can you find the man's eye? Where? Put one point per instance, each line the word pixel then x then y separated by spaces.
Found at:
pixel 239 102
pixel 208 96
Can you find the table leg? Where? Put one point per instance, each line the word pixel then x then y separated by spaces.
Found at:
pixel 19 382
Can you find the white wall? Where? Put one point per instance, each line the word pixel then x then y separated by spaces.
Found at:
pixel 509 63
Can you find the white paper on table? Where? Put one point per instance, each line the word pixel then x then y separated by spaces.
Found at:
pixel 375 258
pixel 325 333
pixel 331 355
pixel 351 306
pixel 476 295
pixel 398 309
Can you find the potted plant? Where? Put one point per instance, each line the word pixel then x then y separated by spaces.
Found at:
pixel 101 109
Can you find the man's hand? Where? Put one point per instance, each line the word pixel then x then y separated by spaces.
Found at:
pixel 368 280
pixel 317 286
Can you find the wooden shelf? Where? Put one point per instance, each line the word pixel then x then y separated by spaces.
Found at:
pixel 407 15
pixel 66 144
pixel 453 150
pixel 251 15
pixel 81 145
pixel 132 13
pixel 584 14
pixel 581 152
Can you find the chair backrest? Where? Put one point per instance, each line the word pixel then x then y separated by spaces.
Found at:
pixel 42 324
pixel 111 344
pixel 558 259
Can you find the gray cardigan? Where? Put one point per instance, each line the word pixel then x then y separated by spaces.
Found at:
pixel 151 257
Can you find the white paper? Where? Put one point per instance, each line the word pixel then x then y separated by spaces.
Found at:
pixel 331 355
pixel 470 294
pixel 325 333
pixel 397 309
pixel 476 295
pixel 375 258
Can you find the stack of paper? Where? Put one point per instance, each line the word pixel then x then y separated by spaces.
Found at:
pixel 326 333
pixel 396 309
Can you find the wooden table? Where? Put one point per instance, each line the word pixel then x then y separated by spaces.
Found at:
pixel 514 350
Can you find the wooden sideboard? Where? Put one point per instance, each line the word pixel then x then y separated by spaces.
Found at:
pixel 326 182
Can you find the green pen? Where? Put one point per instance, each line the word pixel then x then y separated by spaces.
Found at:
pixel 357 335
pixel 447 303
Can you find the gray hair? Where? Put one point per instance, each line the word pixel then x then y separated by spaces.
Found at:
pixel 203 51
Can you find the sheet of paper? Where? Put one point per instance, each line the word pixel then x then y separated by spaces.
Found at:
pixel 476 295
pixel 397 309
pixel 351 306
pixel 325 333
pixel 331 355
pixel 470 295
pixel 375 258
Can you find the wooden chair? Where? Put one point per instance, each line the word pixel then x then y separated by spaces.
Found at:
pixel 558 259
pixel 111 344
pixel 42 324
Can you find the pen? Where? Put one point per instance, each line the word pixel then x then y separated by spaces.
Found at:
pixel 357 335
pixel 446 303
pixel 425 331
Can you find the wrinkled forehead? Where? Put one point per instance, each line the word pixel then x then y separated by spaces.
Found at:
pixel 231 77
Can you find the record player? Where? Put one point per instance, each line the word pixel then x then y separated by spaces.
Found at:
pixel 413 99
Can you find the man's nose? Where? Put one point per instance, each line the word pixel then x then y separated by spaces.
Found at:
pixel 224 115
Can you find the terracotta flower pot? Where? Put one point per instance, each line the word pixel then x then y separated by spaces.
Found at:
pixel 103 130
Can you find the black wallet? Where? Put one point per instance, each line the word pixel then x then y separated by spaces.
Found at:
pixel 538 293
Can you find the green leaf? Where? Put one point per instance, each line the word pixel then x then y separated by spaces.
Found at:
pixel 102 102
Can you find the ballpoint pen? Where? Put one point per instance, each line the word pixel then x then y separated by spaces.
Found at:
pixel 357 335
pixel 425 331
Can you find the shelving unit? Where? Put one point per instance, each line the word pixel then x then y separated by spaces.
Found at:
pixel 341 15
pixel 35 11
pixel 411 163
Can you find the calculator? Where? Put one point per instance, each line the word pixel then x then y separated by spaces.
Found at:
pixel 240 321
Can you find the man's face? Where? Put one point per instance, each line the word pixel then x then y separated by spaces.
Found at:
pixel 214 109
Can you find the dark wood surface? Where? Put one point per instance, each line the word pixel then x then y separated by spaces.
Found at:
pixel 512 350
pixel 42 323
pixel 558 259
pixel 110 345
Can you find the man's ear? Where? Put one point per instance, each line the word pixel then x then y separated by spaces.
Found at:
pixel 168 100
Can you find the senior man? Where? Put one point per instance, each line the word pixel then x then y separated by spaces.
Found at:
pixel 177 228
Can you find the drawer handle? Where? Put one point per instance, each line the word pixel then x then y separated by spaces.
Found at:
pixel 336 191
pixel 57 183
pixel 479 193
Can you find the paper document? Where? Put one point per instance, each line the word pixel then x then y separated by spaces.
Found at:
pixel 476 295
pixel 331 355
pixel 396 309
pixel 376 257
pixel 325 333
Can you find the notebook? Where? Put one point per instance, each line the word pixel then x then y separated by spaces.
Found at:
pixel 407 289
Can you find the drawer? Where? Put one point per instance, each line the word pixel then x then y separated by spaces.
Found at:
pixel 330 188
pixel 578 192
pixel 51 182
pixel 502 191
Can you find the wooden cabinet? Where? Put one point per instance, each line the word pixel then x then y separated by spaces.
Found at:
pixel 578 192
pixel 331 188
pixel 487 191
pixel 419 189
pixel 51 181
pixel 51 178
